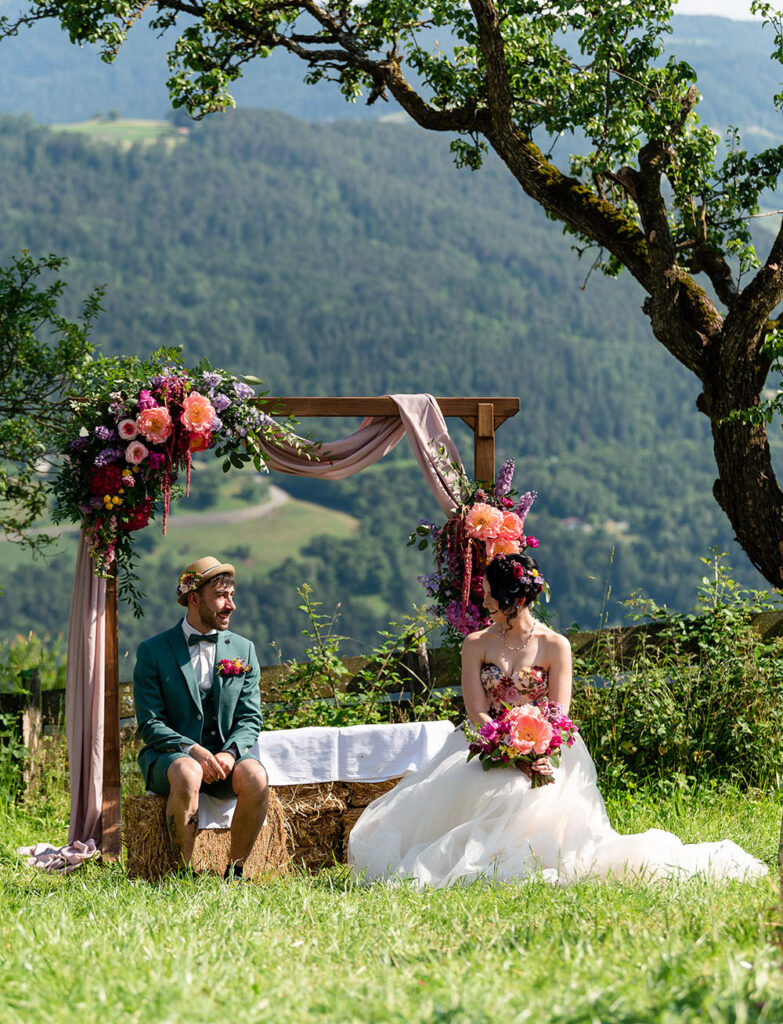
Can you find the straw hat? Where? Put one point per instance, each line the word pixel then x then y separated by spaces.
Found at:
pixel 198 573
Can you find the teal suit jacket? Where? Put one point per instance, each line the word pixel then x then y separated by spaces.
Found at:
pixel 168 700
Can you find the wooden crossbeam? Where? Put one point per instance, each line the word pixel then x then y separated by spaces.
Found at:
pixel 482 415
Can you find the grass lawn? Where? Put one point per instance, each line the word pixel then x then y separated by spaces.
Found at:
pixel 325 949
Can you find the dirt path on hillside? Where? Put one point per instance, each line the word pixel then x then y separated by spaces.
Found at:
pixel 277 497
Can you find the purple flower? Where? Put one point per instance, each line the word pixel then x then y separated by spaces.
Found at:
pixel 504 478
pixel 105 433
pixel 430 583
pixel 107 456
pixel 146 401
pixel 155 460
pixel 242 390
pixel 524 503
pixel 79 444
pixel 220 402
pixel 464 620
pixel 212 380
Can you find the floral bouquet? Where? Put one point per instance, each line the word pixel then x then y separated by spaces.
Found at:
pixel 521 735
pixel 486 524
pixel 127 443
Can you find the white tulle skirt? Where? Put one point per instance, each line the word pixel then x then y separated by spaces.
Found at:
pixel 452 823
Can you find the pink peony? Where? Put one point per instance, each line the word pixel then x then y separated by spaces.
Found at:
pixel 529 730
pixel 483 521
pixel 136 453
pixel 127 429
pixel 512 527
pixel 155 424
pixel 501 546
pixel 198 414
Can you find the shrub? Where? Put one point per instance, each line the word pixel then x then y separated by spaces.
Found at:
pixel 703 698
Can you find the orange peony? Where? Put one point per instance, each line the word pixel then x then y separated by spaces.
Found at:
pixel 198 413
pixel 501 546
pixel 155 424
pixel 530 731
pixel 199 442
pixel 512 527
pixel 483 521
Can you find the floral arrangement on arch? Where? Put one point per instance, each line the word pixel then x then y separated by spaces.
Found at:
pixel 130 440
pixel 487 523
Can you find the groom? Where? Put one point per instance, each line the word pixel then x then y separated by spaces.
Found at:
pixel 199 712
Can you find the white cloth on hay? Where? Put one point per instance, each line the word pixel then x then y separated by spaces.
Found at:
pixel 353 753
pixel 452 822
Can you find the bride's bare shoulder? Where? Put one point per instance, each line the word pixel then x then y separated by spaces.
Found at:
pixel 477 639
pixel 555 642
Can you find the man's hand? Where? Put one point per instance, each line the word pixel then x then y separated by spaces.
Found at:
pixel 212 768
pixel 227 760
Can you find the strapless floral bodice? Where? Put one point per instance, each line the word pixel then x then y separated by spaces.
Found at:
pixel 528 684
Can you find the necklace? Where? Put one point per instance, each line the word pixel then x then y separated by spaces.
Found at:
pixel 502 633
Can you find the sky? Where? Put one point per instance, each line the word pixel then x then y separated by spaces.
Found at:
pixel 736 9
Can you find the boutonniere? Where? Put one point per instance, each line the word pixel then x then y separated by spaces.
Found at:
pixel 232 667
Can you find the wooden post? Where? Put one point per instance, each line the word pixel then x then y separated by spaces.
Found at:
pixel 484 444
pixel 111 811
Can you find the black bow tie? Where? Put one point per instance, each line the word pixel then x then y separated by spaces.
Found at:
pixel 202 638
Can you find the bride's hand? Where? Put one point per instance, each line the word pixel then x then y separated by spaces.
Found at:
pixel 542 766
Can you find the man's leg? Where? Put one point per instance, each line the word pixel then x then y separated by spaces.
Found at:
pixel 250 785
pixel 184 777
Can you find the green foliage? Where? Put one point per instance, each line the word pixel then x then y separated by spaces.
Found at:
pixel 42 355
pixel 323 690
pixel 13 756
pixel 702 698
pixel 24 654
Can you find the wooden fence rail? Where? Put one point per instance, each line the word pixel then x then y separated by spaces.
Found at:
pixel 44 712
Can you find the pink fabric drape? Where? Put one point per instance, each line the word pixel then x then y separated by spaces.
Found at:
pixel 84 697
pixel 422 420
pixel 419 417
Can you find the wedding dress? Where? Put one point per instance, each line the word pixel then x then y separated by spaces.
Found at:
pixel 452 822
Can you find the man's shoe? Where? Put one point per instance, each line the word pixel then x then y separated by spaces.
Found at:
pixel 234 872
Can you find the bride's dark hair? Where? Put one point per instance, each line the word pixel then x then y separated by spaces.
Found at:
pixel 514 577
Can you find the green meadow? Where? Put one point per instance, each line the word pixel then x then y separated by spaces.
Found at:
pixel 324 948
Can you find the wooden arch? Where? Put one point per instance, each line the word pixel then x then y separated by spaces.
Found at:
pixel 482 415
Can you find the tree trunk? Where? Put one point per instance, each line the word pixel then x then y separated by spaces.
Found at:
pixel 746 489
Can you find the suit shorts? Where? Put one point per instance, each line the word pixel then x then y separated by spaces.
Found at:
pixel 158 782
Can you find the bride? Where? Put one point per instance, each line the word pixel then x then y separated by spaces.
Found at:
pixel 452 822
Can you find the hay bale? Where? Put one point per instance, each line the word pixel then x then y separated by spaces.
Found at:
pixel 318 842
pixel 313 798
pixel 362 793
pixel 150 855
pixel 313 821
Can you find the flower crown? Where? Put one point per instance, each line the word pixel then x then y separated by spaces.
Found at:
pixel 528 577
pixel 188 582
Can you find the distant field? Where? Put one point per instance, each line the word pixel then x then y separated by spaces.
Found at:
pixel 269 539
pixel 121 129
